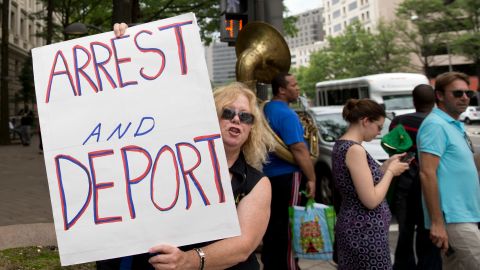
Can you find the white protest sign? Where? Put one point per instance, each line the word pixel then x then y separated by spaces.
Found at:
pixel 132 143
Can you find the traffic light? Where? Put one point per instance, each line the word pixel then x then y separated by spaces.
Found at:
pixel 234 16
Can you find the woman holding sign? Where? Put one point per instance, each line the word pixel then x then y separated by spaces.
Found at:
pixel 247 142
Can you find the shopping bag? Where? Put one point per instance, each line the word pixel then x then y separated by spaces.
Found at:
pixel 312 228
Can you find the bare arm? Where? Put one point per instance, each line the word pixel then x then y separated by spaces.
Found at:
pixel 253 214
pixel 428 177
pixel 302 157
pixel 369 194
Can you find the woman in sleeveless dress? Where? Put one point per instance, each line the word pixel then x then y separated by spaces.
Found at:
pixel 361 231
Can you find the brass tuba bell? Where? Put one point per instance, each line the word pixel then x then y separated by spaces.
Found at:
pixel 262 53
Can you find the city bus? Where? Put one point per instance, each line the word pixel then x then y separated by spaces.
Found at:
pixel 392 90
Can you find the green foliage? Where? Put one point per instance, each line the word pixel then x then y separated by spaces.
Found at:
pixel 26 79
pixel 289 27
pixel 207 13
pixel 41 258
pixel 416 28
pixel 434 26
pixel 99 14
pixel 355 53
pixel 467 42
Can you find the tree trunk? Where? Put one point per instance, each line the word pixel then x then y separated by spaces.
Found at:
pixel 122 11
pixel 477 69
pixel 135 11
pixel 49 21
pixel 5 109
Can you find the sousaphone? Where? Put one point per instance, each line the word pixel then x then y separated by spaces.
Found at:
pixel 262 53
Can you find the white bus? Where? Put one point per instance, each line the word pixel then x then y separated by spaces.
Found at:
pixel 393 90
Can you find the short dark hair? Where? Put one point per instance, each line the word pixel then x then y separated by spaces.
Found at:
pixel 356 109
pixel 423 97
pixel 447 78
pixel 444 79
pixel 280 80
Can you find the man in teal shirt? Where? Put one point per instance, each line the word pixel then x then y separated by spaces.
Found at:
pixel 450 184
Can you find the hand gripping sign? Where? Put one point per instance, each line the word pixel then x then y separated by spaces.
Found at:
pixel 132 143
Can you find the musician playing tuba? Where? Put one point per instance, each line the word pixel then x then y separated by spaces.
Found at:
pixel 285 178
pixel 263 57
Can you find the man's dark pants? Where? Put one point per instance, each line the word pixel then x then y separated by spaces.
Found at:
pixel 276 249
pixel 409 214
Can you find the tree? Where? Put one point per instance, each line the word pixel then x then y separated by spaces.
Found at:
pixel 467 42
pixel 356 52
pixel 420 26
pixel 4 97
pixel 100 13
pixel 26 93
pixel 390 56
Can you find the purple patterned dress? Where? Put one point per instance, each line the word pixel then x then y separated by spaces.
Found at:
pixel 361 234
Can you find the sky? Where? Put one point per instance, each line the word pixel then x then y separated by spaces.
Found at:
pixel 298 6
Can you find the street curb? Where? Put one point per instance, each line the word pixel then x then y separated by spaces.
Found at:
pixel 23 235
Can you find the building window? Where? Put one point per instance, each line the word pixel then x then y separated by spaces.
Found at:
pixel 337 27
pixel 354 19
pixel 352 6
pixel 13 22
pixel 335 2
pixel 368 15
pixel 336 13
pixel 344 11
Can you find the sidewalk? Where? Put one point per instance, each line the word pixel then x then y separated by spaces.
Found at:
pixel 25 210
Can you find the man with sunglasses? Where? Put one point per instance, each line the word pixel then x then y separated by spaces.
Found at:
pixel 285 177
pixel 450 184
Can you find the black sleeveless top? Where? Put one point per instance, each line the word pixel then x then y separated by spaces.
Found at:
pixel 244 179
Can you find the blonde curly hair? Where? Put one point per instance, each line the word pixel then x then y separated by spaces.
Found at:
pixel 260 141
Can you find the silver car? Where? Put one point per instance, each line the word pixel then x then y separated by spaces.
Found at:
pixel 332 126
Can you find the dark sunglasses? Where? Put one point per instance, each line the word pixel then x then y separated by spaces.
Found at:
pixel 245 117
pixel 459 93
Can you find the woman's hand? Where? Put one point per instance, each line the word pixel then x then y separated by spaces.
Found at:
pixel 169 257
pixel 119 29
pixel 394 165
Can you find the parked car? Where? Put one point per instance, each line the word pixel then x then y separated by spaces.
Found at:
pixel 332 126
pixel 471 114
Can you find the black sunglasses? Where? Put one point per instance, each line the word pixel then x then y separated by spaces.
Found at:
pixel 459 93
pixel 245 117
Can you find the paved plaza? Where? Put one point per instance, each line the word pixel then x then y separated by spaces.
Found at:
pixel 25 210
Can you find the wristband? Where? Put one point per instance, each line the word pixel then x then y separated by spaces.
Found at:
pixel 201 255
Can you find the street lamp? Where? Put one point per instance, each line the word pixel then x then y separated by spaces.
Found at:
pixel 78 28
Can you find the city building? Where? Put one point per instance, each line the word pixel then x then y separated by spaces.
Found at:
pixel 340 13
pixel 221 61
pixel 309 26
pixel 23 28
pixel 301 55
pixel 309 37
